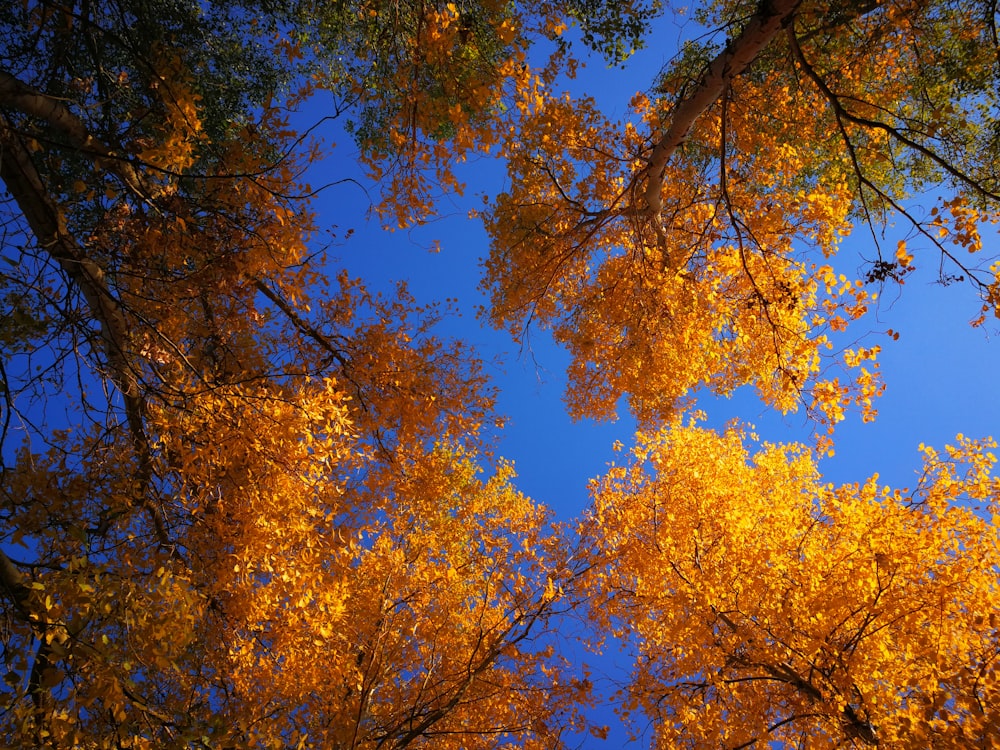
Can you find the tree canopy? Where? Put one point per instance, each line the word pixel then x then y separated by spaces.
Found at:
pixel 248 502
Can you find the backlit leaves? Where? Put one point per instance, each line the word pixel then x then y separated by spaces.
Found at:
pixel 772 607
pixel 677 248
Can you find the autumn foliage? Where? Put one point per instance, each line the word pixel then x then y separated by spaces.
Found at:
pixel 774 607
pixel 247 502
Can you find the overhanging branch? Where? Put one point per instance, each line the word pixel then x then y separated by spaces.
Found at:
pixel 765 24
pixel 19 96
pixel 48 225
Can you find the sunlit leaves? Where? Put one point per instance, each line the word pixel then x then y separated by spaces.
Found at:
pixel 706 275
pixel 772 607
pixel 281 536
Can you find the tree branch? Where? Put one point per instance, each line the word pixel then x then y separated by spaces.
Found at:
pixel 48 224
pixel 19 96
pixel 837 104
pixel 765 24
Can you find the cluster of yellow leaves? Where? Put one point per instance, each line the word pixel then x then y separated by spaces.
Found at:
pixel 359 607
pixel 711 294
pixel 772 607
pixel 338 604
pixel 961 224
pixel 716 287
pixel 109 621
pixel 286 537
pixel 173 145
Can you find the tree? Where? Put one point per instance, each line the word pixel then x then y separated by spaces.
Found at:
pixel 263 524
pixel 687 246
pixel 275 516
pixel 778 608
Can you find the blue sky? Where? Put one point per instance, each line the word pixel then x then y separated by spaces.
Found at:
pixel 941 374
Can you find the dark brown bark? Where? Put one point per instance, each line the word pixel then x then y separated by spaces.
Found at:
pixel 47 223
